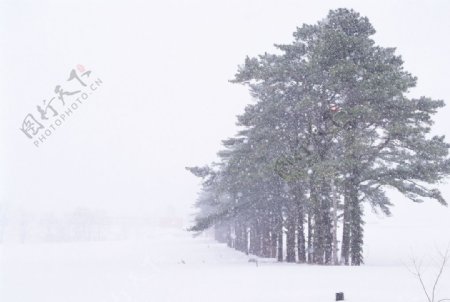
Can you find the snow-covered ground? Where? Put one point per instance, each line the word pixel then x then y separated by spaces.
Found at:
pixel 170 265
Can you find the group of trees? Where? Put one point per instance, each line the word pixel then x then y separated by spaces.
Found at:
pixel 330 130
pixel 79 224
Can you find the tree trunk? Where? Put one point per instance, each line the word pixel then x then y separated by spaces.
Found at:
pixel 253 236
pixel 310 238
pixel 335 224
pixel 240 230
pixel 356 239
pixel 280 236
pixel 345 247
pixel 301 235
pixel 327 228
pixel 290 236
pixel 273 236
pixel 230 236
pixel 318 226
pixel 266 246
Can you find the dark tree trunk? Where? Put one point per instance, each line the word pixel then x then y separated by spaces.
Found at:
pixel 237 236
pixel 255 239
pixel 345 247
pixel 301 235
pixel 280 236
pixel 273 236
pixel 290 236
pixel 319 238
pixel 356 239
pixel 327 226
pixel 266 246
pixel 273 244
pixel 241 236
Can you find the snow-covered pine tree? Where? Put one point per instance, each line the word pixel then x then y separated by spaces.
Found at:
pixel 332 128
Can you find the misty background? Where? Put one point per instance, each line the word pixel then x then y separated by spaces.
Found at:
pixel 166 103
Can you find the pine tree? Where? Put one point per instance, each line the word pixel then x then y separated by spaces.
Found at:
pixel 332 128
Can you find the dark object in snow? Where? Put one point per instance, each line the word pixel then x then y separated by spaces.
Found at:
pixel 339 296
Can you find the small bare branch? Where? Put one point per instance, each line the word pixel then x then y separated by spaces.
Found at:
pixel 444 256
pixel 417 271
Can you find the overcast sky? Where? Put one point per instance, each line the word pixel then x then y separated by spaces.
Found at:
pixel 165 102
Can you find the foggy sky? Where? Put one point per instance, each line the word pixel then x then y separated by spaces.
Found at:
pixel 165 102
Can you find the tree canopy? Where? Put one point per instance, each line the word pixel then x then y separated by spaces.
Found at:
pixel 332 128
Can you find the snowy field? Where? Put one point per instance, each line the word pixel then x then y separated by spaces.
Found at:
pixel 88 208
pixel 170 265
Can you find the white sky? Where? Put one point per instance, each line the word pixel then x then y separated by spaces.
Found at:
pixel 166 102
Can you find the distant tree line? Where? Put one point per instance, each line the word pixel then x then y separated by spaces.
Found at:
pixel 79 224
pixel 330 130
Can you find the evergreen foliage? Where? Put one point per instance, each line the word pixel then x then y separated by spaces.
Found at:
pixel 331 129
